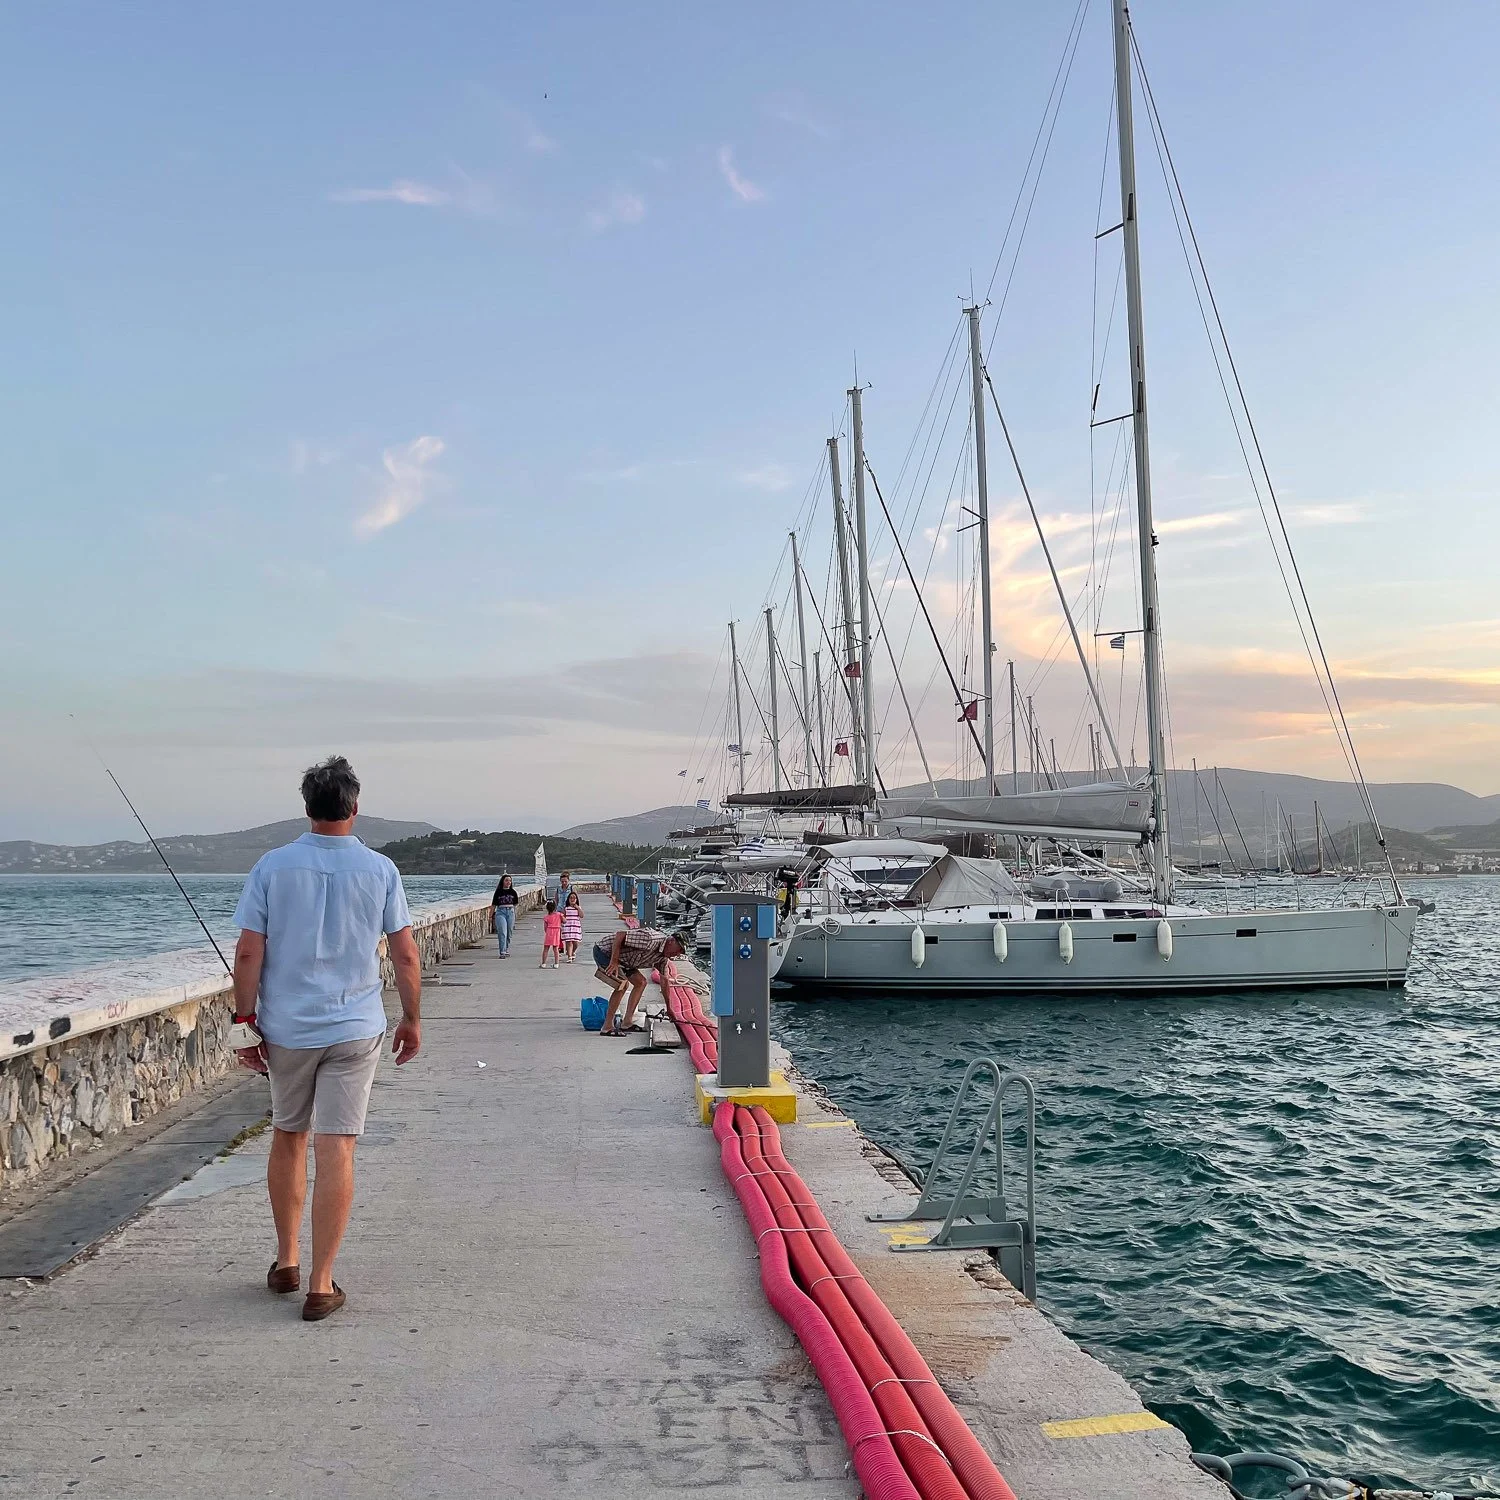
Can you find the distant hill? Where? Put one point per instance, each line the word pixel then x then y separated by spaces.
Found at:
pixel 647 828
pixel 1470 835
pixel 190 853
pixel 471 852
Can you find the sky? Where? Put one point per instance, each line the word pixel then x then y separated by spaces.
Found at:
pixel 434 388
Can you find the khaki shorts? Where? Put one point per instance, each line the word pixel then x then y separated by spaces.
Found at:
pixel 325 1089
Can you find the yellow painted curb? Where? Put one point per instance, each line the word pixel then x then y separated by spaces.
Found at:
pixel 1125 1421
pixel 826 1124
pixel 779 1100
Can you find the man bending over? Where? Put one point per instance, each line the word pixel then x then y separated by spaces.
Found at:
pixel 625 961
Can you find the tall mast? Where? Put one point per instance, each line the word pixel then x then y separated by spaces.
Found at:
pixel 1161 846
pixel 822 723
pixel 862 546
pixel 1197 821
pixel 1015 744
pixel 807 734
pixel 739 723
pixel 850 669
pixel 771 669
pixel 982 495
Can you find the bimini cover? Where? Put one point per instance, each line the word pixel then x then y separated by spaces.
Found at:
pixel 957 881
pixel 880 849
pixel 1107 807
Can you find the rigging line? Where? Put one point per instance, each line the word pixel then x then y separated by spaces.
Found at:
pixel 1063 72
pixel 1213 812
pixel 958 696
pixel 162 857
pixel 1160 132
pixel 901 688
pixel 835 657
pixel 1249 862
pixel 1083 660
pixel 765 726
pixel 796 701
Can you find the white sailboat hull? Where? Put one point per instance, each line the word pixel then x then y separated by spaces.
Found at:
pixel 1209 952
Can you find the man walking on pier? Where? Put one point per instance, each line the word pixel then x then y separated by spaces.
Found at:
pixel 307 978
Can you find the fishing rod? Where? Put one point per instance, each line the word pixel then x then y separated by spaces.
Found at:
pixel 228 969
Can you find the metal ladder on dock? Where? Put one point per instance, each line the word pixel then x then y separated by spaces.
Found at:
pixel 972 1219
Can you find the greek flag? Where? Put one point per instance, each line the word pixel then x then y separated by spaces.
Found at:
pixel 733 749
pixel 1117 642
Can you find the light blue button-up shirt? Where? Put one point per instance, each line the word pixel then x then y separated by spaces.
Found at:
pixel 322 903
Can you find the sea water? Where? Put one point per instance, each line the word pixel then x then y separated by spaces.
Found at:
pixel 50 924
pixel 1278 1216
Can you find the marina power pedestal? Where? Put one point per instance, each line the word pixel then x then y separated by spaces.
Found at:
pixel 627 897
pixel 744 926
pixel 646 901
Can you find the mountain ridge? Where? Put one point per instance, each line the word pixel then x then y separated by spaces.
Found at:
pixel 230 853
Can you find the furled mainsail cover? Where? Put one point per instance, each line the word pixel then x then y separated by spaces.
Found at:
pixel 957 881
pixel 806 799
pixel 1106 807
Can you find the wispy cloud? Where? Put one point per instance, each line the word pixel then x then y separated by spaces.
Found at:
pixel 403 190
pixel 533 137
pixel 460 192
pixel 308 456
pixel 620 208
pixel 770 477
pixel 408 477
pixel 1330 513
pixel 742 188
pixel 788 109
pixel 1215 520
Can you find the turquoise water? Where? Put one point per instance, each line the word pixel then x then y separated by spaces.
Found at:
pixel 1277 1217
pixel 52 923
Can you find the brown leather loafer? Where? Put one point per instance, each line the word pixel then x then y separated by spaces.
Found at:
pixel 284 1278
pixel 318 1305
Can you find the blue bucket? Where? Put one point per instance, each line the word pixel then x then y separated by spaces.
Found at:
pixel 591 1011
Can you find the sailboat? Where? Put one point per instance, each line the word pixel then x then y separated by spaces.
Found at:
pixel 971 925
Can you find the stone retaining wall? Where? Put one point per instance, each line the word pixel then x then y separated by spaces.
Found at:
pixel 66 1096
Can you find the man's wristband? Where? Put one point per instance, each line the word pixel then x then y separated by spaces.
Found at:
pixel 249 1020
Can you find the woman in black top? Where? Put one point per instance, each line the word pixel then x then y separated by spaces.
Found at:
pixel 504 901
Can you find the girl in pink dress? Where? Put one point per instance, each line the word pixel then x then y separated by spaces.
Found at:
pixel 551 935
pixel 572 926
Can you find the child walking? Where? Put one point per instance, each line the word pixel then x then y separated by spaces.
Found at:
pixel 572 927
pixel 551 935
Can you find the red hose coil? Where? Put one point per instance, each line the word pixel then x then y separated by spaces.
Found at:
pixel 875 1461
pixel 875 1344
pixel 915 1445
pixel 974 1467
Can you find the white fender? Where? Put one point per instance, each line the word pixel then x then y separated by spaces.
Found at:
pixel 1164 938
pixel 1065 943
pixel 1002 942
pixel 918 946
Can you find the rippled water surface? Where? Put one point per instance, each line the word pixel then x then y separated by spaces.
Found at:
pixel 1277 1216
pixel 52 923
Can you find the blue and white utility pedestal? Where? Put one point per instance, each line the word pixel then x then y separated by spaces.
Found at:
pixel 743 927
pixel 645 903
pixel 627 897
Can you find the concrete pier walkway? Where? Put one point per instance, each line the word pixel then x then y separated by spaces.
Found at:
pixel 552 1291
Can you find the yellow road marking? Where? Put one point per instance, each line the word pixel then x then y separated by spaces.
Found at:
pixel 1125 1421
pixel 826 1124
